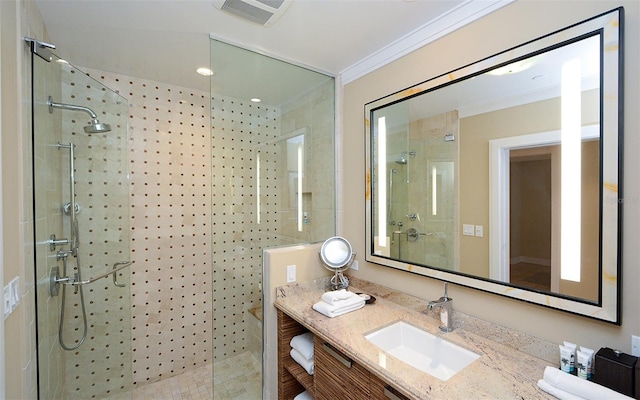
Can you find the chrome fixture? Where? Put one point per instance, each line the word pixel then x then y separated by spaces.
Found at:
pixel 77 281
pixel 66 208
pixel 404 157
pixel 390 198
pixel 94 127
pixel 40 48
pixel 56 277
pixel 413 216
pixel 337 255
pixel 445 304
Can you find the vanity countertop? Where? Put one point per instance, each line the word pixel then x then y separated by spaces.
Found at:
pixel 509 366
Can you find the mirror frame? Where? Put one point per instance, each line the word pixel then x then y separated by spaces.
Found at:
pixel 609 26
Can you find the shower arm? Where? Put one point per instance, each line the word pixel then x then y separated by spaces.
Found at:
pixel 73 107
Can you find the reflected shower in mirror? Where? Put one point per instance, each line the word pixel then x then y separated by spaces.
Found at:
pixel 504 174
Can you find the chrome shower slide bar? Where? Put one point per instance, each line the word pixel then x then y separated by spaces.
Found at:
pixel 73 241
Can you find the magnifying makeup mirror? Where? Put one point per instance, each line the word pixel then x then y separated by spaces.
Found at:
pixel 337 255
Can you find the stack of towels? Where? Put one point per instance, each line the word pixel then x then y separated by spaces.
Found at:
pixel 304 396
pixel 302 351
pixel 569 387
pixel 338 302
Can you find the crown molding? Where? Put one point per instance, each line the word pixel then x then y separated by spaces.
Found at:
pixel 460 16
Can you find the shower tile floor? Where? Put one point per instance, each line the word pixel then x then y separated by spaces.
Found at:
pixel 237 378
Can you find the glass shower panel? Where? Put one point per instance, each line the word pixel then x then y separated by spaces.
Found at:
pixel 83 321
pixel 273 184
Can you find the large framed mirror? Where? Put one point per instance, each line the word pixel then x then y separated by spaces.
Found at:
pixel 505 175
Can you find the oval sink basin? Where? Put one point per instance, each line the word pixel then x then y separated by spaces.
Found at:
pixel 422 350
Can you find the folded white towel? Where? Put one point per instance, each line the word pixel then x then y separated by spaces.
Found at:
pixel 580 388
pixel 342 308
pixel 304 363
pixel 304 396
pixel 337 296
pixel 304 344
pixel 554 391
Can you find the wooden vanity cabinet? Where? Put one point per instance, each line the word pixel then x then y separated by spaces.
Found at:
pixel 335 376
pixel 292 378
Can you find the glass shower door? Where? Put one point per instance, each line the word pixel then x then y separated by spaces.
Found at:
pixel 81 210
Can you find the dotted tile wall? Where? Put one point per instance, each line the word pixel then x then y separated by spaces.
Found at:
pixel 170 200
pixel 101 366
pixel 239 131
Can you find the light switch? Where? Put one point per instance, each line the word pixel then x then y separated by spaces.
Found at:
pixel 479 230
pixel 291 273
pixel 467 230
pixel 7 301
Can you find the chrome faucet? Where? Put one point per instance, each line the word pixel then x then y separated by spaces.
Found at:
pixel 445 303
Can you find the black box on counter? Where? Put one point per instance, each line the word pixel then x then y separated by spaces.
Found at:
pixel 637 380
pixel 615 370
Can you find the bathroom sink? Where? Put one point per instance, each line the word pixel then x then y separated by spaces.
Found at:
pixel 422 350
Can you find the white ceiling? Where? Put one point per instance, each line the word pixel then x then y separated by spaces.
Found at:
pixel 167 40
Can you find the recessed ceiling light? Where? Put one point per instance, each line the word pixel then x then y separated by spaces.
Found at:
pixel 204 71
pixel 513 68
pixel 256 100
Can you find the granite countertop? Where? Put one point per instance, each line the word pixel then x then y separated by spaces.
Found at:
pixel 509 366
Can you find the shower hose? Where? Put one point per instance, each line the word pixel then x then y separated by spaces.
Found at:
pixel 62 307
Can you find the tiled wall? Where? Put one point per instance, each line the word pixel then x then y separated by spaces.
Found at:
pixel 170 218
pixel 101 366
pixel 239 131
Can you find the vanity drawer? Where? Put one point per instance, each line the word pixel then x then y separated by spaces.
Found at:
pixel 337 376
pixel 380 390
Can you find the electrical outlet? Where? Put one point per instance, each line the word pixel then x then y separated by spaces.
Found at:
pixel 291 273
pixel 479 231
pixel 467 230
pixel 635 346
pixel 354 265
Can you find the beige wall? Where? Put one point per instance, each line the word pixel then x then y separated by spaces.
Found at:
pixel 514 24
pixel 475 133
pixel 275 262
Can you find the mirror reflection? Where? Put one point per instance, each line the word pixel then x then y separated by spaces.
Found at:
pixel 499 171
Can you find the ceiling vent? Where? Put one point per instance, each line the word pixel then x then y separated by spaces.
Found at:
pixel 263 12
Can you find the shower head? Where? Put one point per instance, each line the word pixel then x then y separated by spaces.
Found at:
pixel 94 127
pixel 97 127
pixel 404 157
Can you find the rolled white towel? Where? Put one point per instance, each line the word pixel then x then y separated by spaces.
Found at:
pixel 554 391
pixel 304 363
pixel 336 297
pixel 304 396
pixel 343 308
pixel 304 344
pixel 580 387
